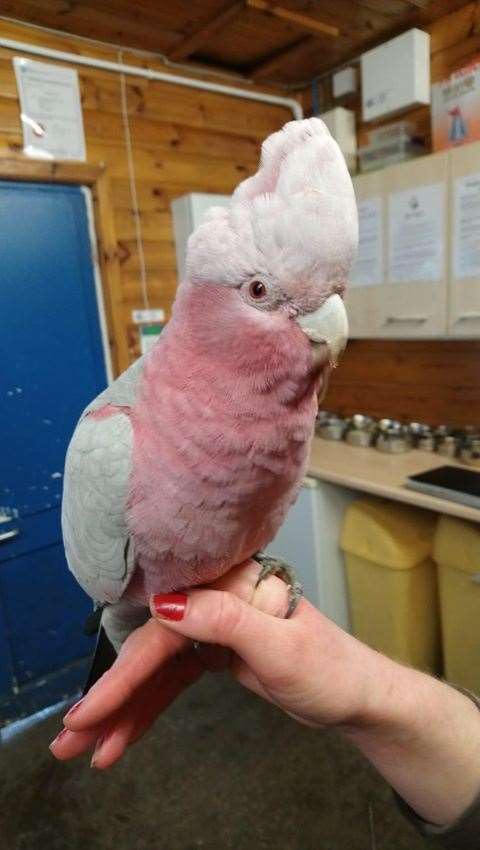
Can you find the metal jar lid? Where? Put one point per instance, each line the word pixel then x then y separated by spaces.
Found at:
pixel 447 445
pixel 394 441
pixel 331 428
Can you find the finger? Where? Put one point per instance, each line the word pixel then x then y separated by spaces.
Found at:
pixel 240 580
pixel 112 744
pixel 149 701
pixel 214 658
pixel 166 686
pixel 270 595
pixel 220 617
pixel 245 677
pixel 148 648
pixel 144 651
pixel 68 745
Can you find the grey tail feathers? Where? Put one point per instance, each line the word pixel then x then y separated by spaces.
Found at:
pixel 104 655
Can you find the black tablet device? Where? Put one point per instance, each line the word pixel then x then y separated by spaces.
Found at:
pixel 449 482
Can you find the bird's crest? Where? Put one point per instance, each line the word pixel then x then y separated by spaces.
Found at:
pixel 295 219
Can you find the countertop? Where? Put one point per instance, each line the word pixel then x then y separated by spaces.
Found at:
pixel 371 471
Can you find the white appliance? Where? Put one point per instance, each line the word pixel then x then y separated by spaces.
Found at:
pixel 341 123
pixel 396 75
pixel 309 542
pixel 187 212
pixel 344 82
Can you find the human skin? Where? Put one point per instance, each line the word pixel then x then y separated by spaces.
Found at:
pixel 421 735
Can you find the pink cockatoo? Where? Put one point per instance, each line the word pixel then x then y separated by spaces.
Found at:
pixel 187 464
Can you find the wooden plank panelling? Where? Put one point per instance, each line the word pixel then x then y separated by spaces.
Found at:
pixel 240 35
pixel 183 140
pixel 192 42
pixel 437 382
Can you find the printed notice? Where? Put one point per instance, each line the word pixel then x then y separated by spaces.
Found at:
pixel 466 226
pixel 51 111
pixel 368 267
pixel 416 234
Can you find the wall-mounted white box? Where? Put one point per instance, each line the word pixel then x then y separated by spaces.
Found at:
pixel 187 212
pixel 396 75
pixel 344 82
pixel 341 123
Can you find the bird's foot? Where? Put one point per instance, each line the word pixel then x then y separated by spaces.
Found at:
pixel 271 566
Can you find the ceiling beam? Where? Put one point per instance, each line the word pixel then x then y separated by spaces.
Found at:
pixel 269 66
pixel 197 39
pixel 305 22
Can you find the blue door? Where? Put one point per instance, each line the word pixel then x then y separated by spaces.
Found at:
pixel 51 366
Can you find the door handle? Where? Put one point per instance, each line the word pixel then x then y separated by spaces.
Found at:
pixel 466 317
pixel 8 535
pixel 419 320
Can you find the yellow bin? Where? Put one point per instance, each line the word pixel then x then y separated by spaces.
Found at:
pixel 456 550
pixel 391 580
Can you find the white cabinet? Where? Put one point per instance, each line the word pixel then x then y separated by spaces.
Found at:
pixel 187 212
pixel 367 277
pixel 398 287
pixel 417 275
pixel 464 277
pixel 414 301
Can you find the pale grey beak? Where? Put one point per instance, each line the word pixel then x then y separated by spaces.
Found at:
pixel 328 324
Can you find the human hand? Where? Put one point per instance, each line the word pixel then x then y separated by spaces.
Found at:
pixel 152 669
pixel 306 665
pixel 422 735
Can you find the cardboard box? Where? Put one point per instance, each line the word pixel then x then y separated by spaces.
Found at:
pixel 456 108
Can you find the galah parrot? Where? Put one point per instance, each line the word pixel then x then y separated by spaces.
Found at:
pixel 187 464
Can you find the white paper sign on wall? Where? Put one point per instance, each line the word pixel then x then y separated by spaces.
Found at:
pixel 51 110
pixel 416 234
pixel 466 226
pixel 368 267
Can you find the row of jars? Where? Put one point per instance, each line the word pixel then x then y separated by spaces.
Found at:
pixel 392 436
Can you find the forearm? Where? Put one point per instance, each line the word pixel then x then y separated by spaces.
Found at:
pixel 424 738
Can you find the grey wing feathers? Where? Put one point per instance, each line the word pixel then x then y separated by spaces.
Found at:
pixel 123 391
pixel 96 488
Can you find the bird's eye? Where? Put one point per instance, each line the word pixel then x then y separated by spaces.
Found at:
pixel 257 289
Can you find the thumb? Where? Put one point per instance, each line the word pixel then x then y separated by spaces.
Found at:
pixel 216 616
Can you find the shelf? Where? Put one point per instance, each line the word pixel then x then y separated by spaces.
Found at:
pixel 371 471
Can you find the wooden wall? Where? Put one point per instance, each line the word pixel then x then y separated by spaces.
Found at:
pixel 186 140
pixel 429 381
pixel 183 140
pixel 437 382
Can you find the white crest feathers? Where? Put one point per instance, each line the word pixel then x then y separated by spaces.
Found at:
pixel 296 218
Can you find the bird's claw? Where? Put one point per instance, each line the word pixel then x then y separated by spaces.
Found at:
pixel 271 566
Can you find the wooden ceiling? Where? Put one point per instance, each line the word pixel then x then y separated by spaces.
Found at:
pixel 278 41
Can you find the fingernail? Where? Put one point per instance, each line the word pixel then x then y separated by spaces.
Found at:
pixel 96 752
pixel 74 708
pixel 169 606
pixel 59 737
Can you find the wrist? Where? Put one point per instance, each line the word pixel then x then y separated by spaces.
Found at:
pixel 423 737
pixel 388 694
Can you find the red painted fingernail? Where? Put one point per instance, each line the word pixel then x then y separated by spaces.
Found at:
pixel 59 737
pixel 74 708
pixel 170 606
